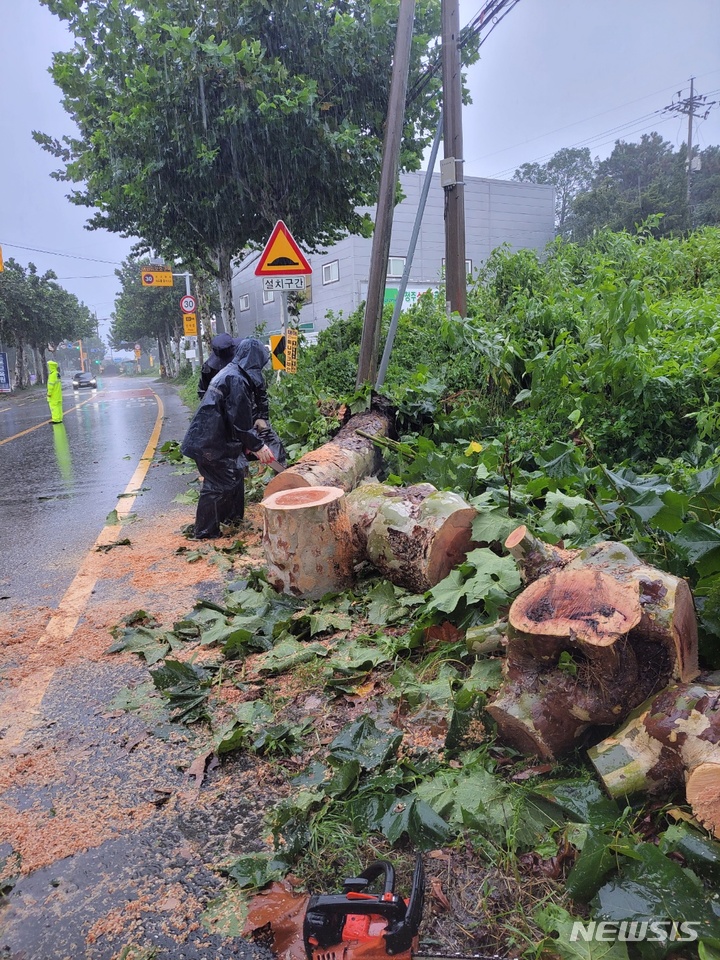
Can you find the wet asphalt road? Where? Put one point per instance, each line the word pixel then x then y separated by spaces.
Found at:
pixel 58 486
pixel 59 483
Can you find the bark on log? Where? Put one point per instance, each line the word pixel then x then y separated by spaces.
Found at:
pixel 534 557
pixel 670 740
pixel 414 535
pixel 588 642
pixel 342 462
pixel 307 541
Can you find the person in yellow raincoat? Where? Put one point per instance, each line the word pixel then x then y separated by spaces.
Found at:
pixel 54 393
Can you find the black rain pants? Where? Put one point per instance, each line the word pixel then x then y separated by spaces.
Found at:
pixel 222 497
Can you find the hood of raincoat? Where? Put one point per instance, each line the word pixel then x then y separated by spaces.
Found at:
pixel 252 356
pixel 224 346
pixel 52 366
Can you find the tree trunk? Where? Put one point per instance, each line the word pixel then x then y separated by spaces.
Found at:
pixel 203 299
pixel 670 740
pixel 343 462
pixel 534 557
pixel 307 541
pixel 224 283
pixel 414 536
pixel 20 364
pixel 588 642
pixel 42 365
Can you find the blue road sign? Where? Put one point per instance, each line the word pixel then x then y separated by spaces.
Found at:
pixel 5 385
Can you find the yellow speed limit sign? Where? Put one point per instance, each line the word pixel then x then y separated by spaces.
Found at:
pixel 190 324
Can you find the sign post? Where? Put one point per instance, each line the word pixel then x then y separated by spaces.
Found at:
pixel 283 267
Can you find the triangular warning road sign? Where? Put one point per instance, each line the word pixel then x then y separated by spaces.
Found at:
pixel 282 256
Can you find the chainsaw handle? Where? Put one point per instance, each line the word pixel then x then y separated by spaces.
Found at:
pixel 376 869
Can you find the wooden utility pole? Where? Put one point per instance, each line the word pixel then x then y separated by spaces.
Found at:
pixel 690 148
pixel 694 105
pixel 451 168
pixel 370 341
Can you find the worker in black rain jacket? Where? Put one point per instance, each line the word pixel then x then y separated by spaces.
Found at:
pixel 223 350
pixel 219 435
pixel 254 361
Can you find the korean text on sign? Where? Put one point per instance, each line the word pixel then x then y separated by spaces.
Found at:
pixel 291 346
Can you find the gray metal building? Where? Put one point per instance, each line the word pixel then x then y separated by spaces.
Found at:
pixel 496 212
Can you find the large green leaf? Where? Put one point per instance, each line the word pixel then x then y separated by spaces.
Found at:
pixel 412 817
pixel 185 686
pixel 580 800
pixel 596 860
pixel 255 870
pixel 696 540
pixel 653 887
pixel 363 741
pixel 565 942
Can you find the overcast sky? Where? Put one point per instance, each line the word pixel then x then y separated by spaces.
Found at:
pixel 553 74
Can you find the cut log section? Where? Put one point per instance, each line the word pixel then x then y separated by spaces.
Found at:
pixel 342 462
pixel 588 642
pixel 670 740
pixel 307 541
pixel 414 536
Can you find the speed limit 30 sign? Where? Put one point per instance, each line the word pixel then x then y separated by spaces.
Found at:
pixel 188 303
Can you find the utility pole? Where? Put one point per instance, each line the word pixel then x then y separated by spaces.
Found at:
pixel 694 105
pixel 451 167
pixel 370 341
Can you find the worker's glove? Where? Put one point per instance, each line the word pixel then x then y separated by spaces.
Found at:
pixel 261 425
pixel 265 455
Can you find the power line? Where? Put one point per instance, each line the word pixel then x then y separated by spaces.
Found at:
pixel 56 253
pixel 599 139
pixel 567 126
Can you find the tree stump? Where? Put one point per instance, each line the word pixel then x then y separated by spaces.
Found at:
pixel 307 541
pixel 670 740
pixel 588 642
pixel 413 535
pixel 342 462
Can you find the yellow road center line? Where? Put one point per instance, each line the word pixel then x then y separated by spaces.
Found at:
pixel 45 422
pixel 23 704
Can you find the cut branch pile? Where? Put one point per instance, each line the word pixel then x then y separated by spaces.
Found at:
pixel 670 740
pixel 595 633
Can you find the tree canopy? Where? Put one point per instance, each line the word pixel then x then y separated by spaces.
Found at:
pixel 202 124
pixel 570 171
pixel 636 182
pixel 36 311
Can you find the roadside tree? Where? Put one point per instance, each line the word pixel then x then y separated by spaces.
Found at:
pixel 37 313
pixel 571 172
pixel 201 125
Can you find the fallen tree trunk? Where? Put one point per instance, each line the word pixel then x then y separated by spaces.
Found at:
pixel 670 740
pixel 342 462
pixel 307 541
pixel 588 642
pixel 413 535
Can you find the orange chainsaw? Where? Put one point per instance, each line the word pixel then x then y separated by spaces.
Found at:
pixel 357 925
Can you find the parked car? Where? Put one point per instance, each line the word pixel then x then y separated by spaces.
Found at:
pixel 83 380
